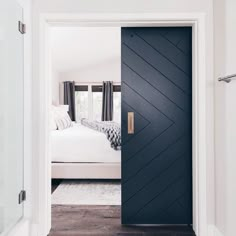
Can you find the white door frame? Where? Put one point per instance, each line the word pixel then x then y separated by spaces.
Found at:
pixel 198 24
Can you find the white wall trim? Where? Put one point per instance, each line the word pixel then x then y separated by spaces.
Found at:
pixel 198 23
pixel 217 232
pixel 21 228
pixel 214 231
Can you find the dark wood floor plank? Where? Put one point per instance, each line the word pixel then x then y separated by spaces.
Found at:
pixel 75 220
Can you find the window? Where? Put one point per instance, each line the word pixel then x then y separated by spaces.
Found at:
pixel 88 101
pixel 81 102
pixel 117 103
pixel 97 102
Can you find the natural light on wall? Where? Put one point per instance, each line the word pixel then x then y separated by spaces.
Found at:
pixel 88 56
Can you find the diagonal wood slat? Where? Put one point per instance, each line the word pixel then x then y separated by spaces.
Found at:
pixel 157 158
pixel 158 62
pixel 166 49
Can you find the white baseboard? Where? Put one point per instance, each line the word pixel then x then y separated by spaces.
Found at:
pixel 21 228
pixel 214 231
pixel 34 231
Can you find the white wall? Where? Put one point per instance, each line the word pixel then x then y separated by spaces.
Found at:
pixel 225 64
pixel 106 70
pixel 74 48
pixel 134 6
pixel 84 55
pixel 130 6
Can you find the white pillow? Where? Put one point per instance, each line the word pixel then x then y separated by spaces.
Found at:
pixel 62 119
pixel 53 125
pixel 64 107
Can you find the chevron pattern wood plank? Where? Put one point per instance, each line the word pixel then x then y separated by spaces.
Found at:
pixel 157 158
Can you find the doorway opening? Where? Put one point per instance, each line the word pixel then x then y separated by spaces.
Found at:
pixel 197 109
pixel 156 67
pixel 85 119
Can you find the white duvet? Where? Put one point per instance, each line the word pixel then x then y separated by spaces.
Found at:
pixel 82 144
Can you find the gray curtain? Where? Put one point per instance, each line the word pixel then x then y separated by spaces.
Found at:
pixel 69 97
pixel 107 101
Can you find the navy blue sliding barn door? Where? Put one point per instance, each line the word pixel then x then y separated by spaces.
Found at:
pixel 156 125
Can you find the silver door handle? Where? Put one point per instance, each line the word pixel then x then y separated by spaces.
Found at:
pixel 228 78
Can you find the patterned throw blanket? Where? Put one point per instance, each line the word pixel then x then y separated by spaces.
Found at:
pixel 110 128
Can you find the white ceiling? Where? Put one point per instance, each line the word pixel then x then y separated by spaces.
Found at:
pixel 74 48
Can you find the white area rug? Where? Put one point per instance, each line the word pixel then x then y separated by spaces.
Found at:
pixel 76 192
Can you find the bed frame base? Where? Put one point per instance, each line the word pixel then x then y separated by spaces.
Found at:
pixel 86 171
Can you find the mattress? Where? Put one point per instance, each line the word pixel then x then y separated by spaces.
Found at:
pixel 82 144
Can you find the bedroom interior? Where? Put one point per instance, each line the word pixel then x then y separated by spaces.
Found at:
pixel 85 134
pixel 25 163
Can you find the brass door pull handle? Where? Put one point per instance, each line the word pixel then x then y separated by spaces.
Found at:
pixel 130 122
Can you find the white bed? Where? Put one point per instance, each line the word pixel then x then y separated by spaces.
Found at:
pixel 80 152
